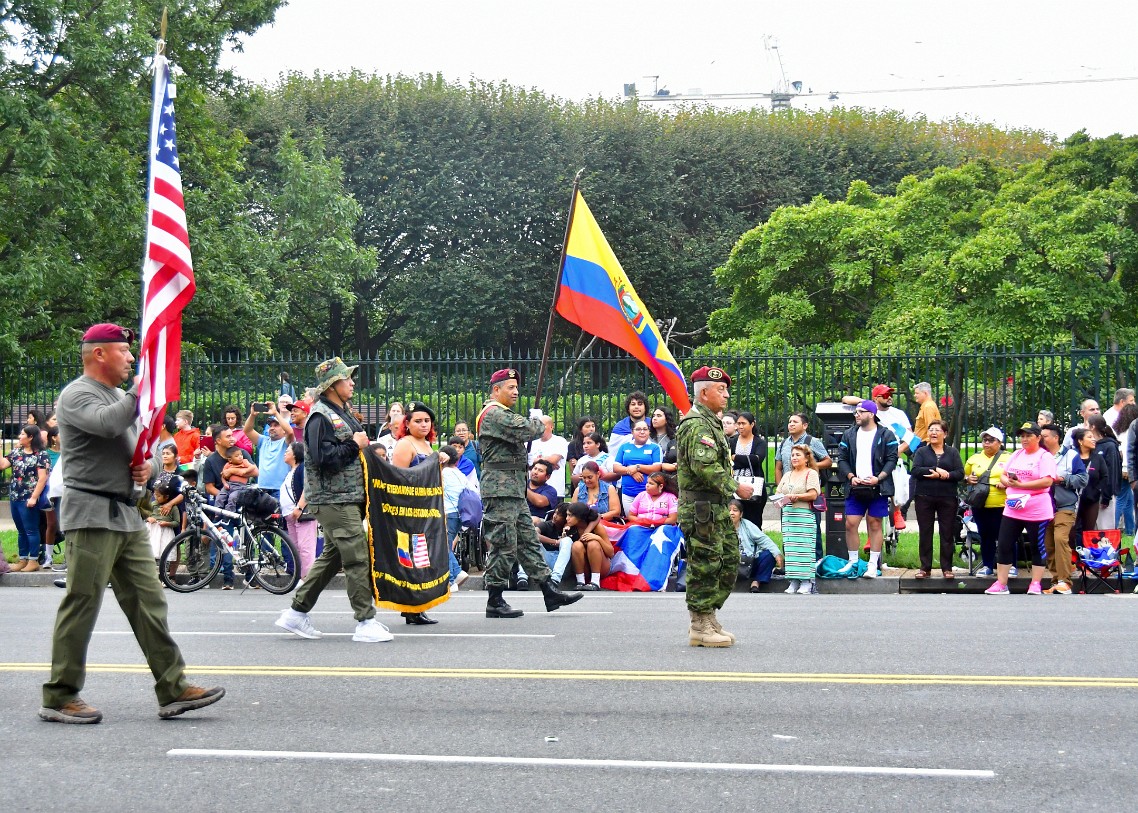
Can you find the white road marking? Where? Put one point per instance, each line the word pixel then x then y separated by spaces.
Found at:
pixel 560 613
pixel 183 633
pixel 446 759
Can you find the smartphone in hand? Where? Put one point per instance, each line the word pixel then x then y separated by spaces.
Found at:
pixel 259 406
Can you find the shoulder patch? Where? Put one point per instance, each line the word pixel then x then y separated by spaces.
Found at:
pixel 707 440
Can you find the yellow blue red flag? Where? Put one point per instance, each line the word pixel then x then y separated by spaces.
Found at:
pixel 597 295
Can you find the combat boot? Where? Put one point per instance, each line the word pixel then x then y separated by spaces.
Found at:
pixel 715 625
pixel 554 598
pixel 703 634
pixel 496 606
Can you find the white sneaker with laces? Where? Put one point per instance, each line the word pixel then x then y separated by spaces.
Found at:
pixel 806 589
pixel 1013 571
pixel 298 624
pixel 372 632
pixel 793 586
pixel 870 573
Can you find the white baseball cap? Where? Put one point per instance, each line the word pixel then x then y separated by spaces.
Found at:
pixel 994 432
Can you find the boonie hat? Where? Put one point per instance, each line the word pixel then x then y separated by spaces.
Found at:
pixel 330 371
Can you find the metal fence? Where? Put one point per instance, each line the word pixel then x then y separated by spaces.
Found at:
pixel 973 389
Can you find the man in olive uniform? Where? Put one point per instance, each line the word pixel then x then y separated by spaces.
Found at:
pixel 706 487
pixel 506 521
pixel 106 537
pixel 334 490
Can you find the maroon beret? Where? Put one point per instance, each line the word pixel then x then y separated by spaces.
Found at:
pixel 106 332
pixel 505 375
pixel 711 374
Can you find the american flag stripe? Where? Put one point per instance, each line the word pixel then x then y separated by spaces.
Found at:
pixel 167 270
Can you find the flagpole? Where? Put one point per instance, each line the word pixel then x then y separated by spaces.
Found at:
pixel 557 289
pixel 159 50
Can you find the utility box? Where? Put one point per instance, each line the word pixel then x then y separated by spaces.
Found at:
pixel 836 418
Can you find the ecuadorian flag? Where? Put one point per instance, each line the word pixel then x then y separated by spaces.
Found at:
pixel 596 295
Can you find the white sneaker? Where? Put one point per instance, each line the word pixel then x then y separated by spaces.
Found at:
pixel 870 573
pixel 793 586
pixel 298 624
pixel 1013 571
pixel 849 566
pixel 806 589
pixel 372 632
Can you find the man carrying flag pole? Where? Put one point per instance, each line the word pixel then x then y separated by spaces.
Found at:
pixel 103 456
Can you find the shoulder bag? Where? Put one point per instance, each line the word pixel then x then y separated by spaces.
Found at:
pixel 977 493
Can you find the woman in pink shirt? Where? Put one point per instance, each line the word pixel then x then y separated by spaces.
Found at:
pixel 1028 476
pixel 654 505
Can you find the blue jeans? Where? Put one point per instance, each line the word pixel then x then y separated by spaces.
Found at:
pixel 27 522
pixel 1124 510
pixel 454 528
pixel 558 559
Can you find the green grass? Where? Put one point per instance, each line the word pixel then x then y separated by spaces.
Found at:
pixel 11 550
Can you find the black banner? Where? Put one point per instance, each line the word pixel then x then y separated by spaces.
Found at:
pixel 407 534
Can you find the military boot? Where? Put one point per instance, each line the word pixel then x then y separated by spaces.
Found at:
pixel 554 598
pixel 703 634
pixel 715 625
pixel 496 606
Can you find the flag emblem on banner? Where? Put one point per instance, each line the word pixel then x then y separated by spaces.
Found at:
pixel 411 549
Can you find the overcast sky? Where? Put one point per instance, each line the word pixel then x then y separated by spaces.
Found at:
pixel 590 48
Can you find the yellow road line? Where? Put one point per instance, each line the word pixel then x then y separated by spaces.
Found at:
pixel 619 675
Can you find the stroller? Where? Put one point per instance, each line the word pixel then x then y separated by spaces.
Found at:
pixel 967 536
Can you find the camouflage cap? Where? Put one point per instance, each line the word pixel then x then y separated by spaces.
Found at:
pixel 330 371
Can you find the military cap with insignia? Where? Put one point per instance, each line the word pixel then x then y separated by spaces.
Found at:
pixel 509 374
pixel 716 374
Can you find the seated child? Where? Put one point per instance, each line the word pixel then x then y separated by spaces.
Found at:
pixel 236 474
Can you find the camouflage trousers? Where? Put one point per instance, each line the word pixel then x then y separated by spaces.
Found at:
pixel 713 554
pixel 508 528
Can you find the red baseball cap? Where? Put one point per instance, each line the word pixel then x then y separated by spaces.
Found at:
pixel 881 391
pixel 107 332
pixel 303 406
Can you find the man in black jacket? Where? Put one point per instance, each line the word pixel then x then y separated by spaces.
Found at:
pixel 867 456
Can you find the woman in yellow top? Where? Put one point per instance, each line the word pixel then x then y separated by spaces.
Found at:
pixel 988 464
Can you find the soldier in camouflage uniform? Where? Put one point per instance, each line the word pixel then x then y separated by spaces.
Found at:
pixel 506 521
pixel 706 486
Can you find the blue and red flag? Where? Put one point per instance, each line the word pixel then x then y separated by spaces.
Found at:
pixel 597 295
pixel 644 557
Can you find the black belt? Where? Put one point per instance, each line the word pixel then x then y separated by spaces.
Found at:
pixel 504 466
pixel 704 496
pixel 108 495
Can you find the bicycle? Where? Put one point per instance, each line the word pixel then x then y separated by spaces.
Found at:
pixel 265 553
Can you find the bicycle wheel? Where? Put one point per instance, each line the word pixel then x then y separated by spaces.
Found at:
pixel 191 561
pixel 276 561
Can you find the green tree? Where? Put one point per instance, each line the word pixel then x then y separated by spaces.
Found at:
pixel 74 111
pixel 972 256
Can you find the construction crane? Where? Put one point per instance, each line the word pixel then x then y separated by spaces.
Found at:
pixel 785 91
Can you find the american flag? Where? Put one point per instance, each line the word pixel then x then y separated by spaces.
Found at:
pixel 167 270
pixel 419 545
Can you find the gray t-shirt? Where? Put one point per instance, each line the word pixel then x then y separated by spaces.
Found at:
pixel 98 430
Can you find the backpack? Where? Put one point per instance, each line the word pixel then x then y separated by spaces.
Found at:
pixel 470 508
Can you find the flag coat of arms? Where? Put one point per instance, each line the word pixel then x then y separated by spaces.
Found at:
pixel 407 536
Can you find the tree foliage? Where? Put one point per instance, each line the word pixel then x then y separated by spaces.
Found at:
pixel 970 256
pixel 354 213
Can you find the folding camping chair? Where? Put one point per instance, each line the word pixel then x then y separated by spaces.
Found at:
pixel 1099 558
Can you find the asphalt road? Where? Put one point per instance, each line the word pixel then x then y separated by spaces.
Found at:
pixel 819 698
